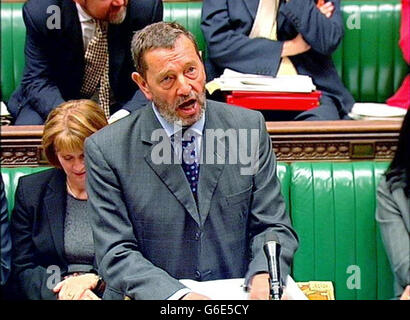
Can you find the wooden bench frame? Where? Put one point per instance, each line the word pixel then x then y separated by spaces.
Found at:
pixel 291 141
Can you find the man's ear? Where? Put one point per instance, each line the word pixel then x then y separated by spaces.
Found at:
pixel 142 84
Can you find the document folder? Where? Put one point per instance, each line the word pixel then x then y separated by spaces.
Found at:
pixel 260 100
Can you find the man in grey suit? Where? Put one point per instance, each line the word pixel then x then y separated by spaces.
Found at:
pixel 158 215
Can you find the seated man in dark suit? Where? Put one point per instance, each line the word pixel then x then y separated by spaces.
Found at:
pixel 172 194
pixel 275 37
pixel 80 49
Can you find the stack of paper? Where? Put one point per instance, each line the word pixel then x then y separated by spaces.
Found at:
pixel 376 111
pixel 232 80
pixel 5 116
pixel 234 289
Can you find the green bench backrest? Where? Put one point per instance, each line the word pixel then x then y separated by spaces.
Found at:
pixel 11 176
pixel 333 212
pixel 187 14
pixel 13 36
pixel 368 60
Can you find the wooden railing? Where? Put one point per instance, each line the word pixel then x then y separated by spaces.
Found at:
pixel 291 141
pixel 334 140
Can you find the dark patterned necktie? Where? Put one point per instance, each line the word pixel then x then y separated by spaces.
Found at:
pixel 96 74
pixel 190 164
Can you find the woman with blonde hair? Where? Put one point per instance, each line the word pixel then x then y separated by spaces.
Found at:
pixel 53 255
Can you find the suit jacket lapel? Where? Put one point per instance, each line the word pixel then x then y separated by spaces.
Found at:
pixel 211 165
pixel 55 207
pixel 172 174
pixel 252 6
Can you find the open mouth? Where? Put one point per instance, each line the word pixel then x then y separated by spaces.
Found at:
pixel 187 104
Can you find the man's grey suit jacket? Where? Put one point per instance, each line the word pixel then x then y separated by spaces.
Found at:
pixel 148 229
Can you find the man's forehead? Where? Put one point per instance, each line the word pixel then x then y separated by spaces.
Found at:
pixel 184 53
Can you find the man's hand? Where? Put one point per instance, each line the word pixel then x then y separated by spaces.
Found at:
pixel 295 46
pixel 406 293
pixel 195 296
pixel 326 9
pixel 260 288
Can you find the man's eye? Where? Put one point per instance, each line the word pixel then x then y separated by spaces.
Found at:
pixel 166 79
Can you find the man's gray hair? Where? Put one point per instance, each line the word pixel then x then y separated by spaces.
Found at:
pixel 154 36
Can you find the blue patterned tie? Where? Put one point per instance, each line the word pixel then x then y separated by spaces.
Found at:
pixel 189 164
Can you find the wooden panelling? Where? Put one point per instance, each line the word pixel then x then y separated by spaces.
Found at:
pixel 291 141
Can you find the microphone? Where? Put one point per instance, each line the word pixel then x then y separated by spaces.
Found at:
pixel 272 253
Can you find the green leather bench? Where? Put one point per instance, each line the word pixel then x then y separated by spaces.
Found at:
pixel 368 60
pixel 332 209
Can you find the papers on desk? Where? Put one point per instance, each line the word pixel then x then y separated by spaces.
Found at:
pixel 5 115
pixel 231 80
pixel 376 111
pixel 234 289
pixel 4 112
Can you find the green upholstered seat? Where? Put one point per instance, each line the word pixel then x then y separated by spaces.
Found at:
pixel 369 59
pixel 13 35
pixel 333 212
pixel 10 178
pixel 187 14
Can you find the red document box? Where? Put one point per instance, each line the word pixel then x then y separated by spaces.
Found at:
pixel 274 100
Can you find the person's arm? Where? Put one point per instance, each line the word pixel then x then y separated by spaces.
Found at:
pixel 322 33
pixel 395 236
pixel 40 90
pixel 126 271
pixel 5 238
pixel 268 215
pixel 32 278
pixel 228 42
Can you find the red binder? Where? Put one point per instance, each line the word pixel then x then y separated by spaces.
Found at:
pixel 275 100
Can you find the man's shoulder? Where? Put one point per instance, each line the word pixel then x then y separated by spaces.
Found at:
pixel 38 12
pixel 43 7
pixel 233 113
pixel 120 130
pixel 138 7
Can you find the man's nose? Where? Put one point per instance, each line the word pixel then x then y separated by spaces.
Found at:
pixel 184 88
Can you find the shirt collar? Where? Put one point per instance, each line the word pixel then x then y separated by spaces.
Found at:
pixel 82 15
pixel 172 128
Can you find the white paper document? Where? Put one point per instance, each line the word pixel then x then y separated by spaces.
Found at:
pixel 3 110
pixel 234 289
pixel 376 111
pixel 231 80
